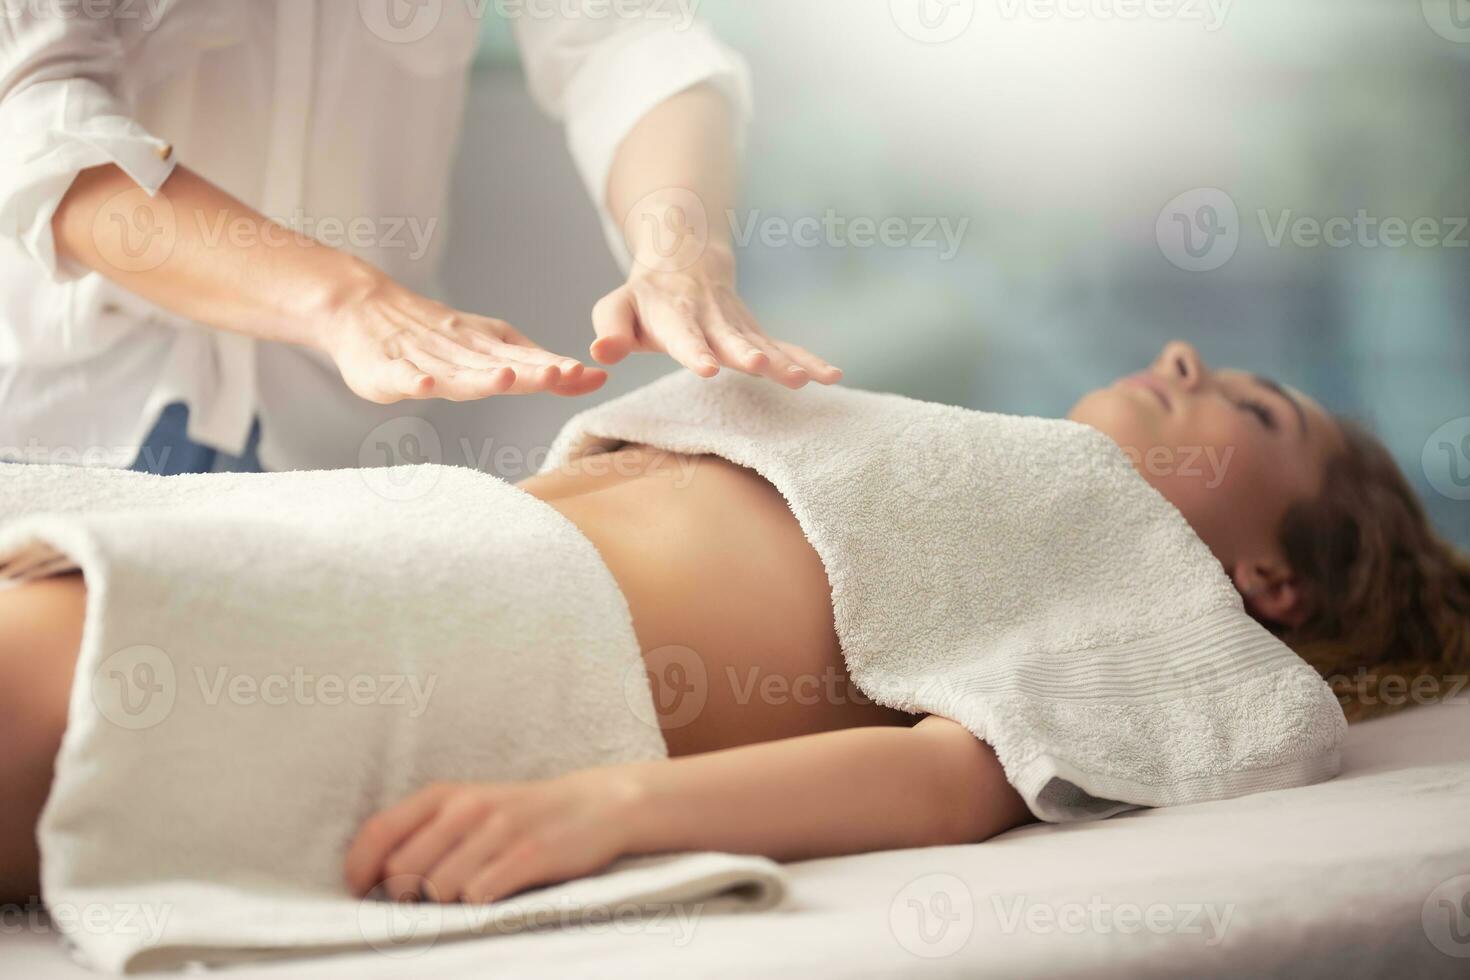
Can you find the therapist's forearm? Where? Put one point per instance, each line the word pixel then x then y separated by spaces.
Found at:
pixel 197 252
pixel 684 145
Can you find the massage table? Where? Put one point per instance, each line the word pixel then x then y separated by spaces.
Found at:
pixel 1367 875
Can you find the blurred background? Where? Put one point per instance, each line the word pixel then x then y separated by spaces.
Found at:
pixel 1067 184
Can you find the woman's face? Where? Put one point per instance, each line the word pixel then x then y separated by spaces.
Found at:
pixel 1232 451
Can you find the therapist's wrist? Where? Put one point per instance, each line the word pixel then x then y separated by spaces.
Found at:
pixel 676 230
pixel 712 261
pixel 323 313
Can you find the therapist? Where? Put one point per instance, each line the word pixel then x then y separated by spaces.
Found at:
pixel 153 154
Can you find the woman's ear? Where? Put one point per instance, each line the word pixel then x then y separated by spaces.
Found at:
pixel 1271 592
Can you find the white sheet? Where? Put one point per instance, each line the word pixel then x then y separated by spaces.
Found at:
pixel 1339 880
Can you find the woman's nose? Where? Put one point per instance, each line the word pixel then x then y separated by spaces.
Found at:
pixel 1181 363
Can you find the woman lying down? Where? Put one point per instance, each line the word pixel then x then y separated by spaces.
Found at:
pixel 858 621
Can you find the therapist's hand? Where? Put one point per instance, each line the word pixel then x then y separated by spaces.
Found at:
pixel 670 189
pixel 694 315
pixel 391 343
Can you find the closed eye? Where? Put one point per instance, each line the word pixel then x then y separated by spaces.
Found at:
pixel 1296 406
pixel 1260 411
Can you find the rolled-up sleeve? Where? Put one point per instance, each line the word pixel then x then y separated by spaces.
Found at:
pixel 600 75
pixel 63 109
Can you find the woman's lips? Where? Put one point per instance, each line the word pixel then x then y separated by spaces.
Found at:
pixel 1145 379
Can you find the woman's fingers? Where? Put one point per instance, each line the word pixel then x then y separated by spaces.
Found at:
pixel 389 380
pixel 462 375
pixel 529 378
pixel 456 383
pixel 383 833
pixel 779 367
pixel 507 344
pixel 817 368
pixel 480 842
pixel 674 323
pixel 703 326
pixel 474 351
pixel 525 863
pixel 792 361
pixel 615 321
pixel 407 869
pixel 479 343
pixel 731 345
pixel 446 881
pixel 398 344
pixel 407 380
pixel 584 382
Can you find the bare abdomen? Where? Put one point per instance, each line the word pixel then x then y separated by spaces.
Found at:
pixel 730 602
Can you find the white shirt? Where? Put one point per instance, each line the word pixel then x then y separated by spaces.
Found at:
pixel 338 117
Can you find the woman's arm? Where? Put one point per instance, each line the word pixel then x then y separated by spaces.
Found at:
pixel 654 106
pixel 842 792
pixel 194 250
pixel 671 188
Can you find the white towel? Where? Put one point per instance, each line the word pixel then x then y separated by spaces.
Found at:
pixel 269 659
pixel 1018 576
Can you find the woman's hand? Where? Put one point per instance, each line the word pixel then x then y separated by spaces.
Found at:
pixel 272 283
pixel 694 315
pixel 390 343
pixel 670 189
pixel 479 842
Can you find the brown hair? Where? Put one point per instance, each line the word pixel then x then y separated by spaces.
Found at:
pixel 1390 599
